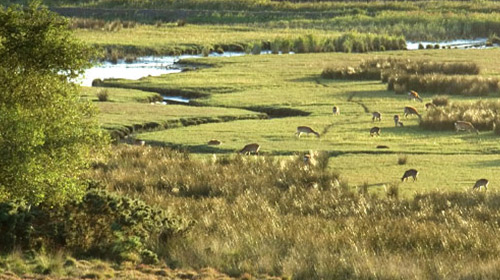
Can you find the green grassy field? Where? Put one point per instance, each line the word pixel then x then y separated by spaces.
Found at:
pixel 445 159
pixel 127 111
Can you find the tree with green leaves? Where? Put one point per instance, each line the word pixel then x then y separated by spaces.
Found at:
pixel 47 132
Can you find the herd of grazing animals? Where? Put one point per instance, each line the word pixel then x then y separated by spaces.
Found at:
pixel 254 148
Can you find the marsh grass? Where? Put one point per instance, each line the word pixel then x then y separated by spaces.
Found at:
pixel 384 68
pixel 482 114
pixel 444 84
pixel 401 75
pixel 440 100
pixel 281 217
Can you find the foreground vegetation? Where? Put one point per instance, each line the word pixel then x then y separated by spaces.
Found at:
pixel 305 208
pixel 284 217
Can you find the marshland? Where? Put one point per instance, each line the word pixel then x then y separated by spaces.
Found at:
pixel 256 177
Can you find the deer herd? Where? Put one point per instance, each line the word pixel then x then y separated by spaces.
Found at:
pixel 253 148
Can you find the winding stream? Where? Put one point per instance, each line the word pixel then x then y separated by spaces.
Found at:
pixel 142 67
pixel 156 66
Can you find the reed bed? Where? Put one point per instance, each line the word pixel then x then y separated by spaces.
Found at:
pixel 401 75
pixel 443 84
pixel 282 217
pixel 482 114
pixel 383 68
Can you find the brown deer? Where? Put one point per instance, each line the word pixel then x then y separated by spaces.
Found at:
pixel 375 131
pixel 410 173
pixel 409 110
pixel 250 148
pixel 481 183
pixel 214 142
pixel 465 126
pixel 429 106
pixel 414 95
pixel 336 110
pixel 306 130
pixel 397 121
pixel 376 116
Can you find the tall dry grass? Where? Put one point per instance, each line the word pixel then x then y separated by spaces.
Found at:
pixel 383 68
pixel 443 84
pixel 482 114
pixel 283 217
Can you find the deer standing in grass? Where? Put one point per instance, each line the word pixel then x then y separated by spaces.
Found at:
pixel 481 183
pixel 250 148
pixel 465 126
pixel 410 173
pixel 429 105
pixel 414 95
pixel 409 110
pixel 336 110
pixel 397 121
pixel 375 131
pixel 306 130
pixel 376 116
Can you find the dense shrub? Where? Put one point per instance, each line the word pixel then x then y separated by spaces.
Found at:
pixel 101 225
pixel 482 114
pixel 102 94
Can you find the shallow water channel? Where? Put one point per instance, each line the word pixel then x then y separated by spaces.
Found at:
pixel 142 67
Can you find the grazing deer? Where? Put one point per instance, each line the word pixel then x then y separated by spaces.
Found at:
pixel 429 105
pixel 397 121
pixel 336 110
pixel 214 142
pixel 410 173
pixel 414 95
pixel 409 110
pixel 306 130
pixel 466 126
pixel 250 148
pixel 375 131
pixel 376 116
pixel 481 183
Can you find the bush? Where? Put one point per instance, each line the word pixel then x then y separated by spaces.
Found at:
pixel 101 225
pixel 102 95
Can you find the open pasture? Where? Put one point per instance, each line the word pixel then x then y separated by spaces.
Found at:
pixel 127 111
pixel 446 159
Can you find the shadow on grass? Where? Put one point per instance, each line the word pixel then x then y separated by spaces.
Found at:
pixel 486 163
pixel 353 95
